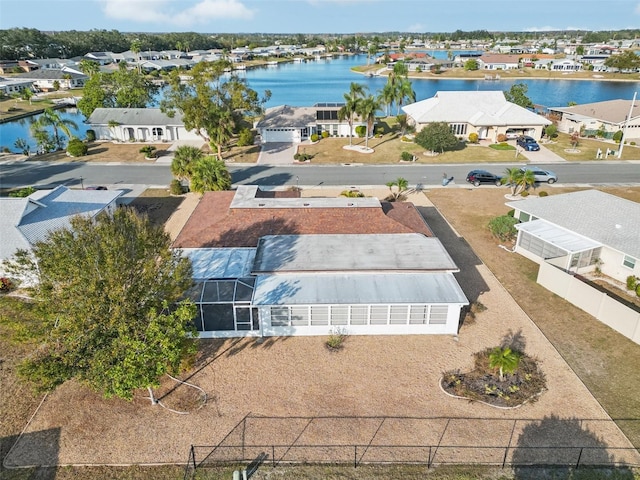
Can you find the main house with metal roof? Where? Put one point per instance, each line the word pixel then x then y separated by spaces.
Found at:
pixel 139 124
pixel 487 113
pixel 579 230
pixel 275 264
pixel 25 221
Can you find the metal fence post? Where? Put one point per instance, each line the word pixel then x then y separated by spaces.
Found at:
pixel 193 455
pixel 429 460
pixel 355 456
pixel 273 455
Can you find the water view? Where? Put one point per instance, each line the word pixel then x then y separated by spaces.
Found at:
pixel 326 80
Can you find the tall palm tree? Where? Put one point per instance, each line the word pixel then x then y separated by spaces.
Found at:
pixel 518 179
pixel 136 46
pixel 89 67
pixel 351 105
pixel 404 90
pixel 505 360
pixel 221 131
pixel 210 174
pixel 51 118
pixel 386 97
pixel 367 111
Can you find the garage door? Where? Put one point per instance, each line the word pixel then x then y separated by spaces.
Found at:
pixel 280 135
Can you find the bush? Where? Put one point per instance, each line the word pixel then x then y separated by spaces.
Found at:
pixel 633 144
pixel 23 192
pixel 176 188
pixel 149 151
pixel 335 340
pixel 638 290
pixel 511 212
pixel 245 138
pixel 351 194
pixel 503 227
pixel 314 137
pixel 632 282
pixel 406 139
pixel 501 138
pixel 524 193
pixel 5 284
pixel 473 137
pixel 77 148
pixel 406 157
pixel 543 194
pixel 361 131
pixel 551 131
pixel 91 135
pixel 325 134
pixel 302 157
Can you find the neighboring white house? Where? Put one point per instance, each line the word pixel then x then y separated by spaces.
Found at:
pixel 486 113
pixel 48 79
pixel 139 124
pixel 9 86
pixel 609 117
pixel 270 265
pixel 499 62
pixel 577 231
pixel 25 221
pixel 296 124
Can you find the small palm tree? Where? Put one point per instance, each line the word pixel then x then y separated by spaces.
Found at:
pixel 351 105
pixel 404 90
pixel 51 118
pixel 519 180
pixel 367 111
pixel 184 160
pixel 401 185
pixel 505 360
pixel 210 174
pixel 386 97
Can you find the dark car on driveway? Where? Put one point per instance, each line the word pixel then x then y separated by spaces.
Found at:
pixel 478 177
pixel 528 143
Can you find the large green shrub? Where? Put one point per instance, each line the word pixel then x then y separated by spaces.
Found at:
pixel 176 188
pixel 543 194
pixel 503 227
pixel 91 135
pixel 149 151
pixel 314 137
pixel 325 134
pixel 23 192
pixel 361 131
pixel 77 148
pixel 245 138
pixel 406 156
pixel 632 282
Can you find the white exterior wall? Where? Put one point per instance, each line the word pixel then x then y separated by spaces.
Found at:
pixel 613 267
pixel 121 133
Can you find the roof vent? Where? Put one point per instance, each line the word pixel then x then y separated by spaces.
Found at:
pixel 618 226
pixel 261 204
pixel 306 204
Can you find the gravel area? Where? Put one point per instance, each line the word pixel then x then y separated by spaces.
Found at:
pixel 295 378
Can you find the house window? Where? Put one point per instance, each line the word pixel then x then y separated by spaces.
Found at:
pixel 359 314
pixel 458 128
pixel 629 262
pixel 438 315
pixel 157 132
pixel 279 316
pixel 524 217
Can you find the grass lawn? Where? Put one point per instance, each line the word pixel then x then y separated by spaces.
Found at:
pixel 11 107
pixel 587 149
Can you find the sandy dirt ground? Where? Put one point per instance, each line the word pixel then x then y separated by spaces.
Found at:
pixel 376 391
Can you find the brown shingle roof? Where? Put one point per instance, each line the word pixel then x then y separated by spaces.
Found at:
pixel 214 224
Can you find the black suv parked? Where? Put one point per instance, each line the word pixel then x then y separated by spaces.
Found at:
pixel 482 176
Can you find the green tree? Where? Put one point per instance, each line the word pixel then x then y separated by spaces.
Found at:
pixel 518 94
pixel 135 48
pixel 505 360
pixel 436 136
pixel 184 160
pixel 403 123
pixel 89 67
pixel 626 61
pixel 518 180
pixel 471 64
pixel 371 51
pixel 397 188
pixel 386 97
pixel 551 131
pixel 210 174
pixel 351 105
pixel 404 91
pixel 110 290
pixel 51 118
pixel 22 145
pixel 367 111
pixel 617 137
pixel 26 94
pixel 503 227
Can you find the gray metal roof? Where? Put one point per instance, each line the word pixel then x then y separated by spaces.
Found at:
pixel 220 262
pixel 133 116
pixel 561 238
pixel 245 197
pixel 480 108
pixel 11 211
pixel 416 288
pixel 599 216
pixel 59 206
pixel 352 253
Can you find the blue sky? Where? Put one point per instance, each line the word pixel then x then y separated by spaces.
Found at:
pixel 319 16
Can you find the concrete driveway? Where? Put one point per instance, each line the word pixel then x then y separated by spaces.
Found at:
pixel 544 155
pixel 277 153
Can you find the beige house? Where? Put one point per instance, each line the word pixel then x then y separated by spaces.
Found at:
pixel 487 113
pixel 605 117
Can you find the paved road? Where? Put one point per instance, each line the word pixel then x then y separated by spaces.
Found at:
pixel 45 174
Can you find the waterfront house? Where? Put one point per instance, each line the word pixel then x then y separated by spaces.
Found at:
pixel 499 62
pixel 271 263
pixel 486 113
pixel 295 124
pixel 10 86
pixel 139 124
pixel 600 118
pixel 48 79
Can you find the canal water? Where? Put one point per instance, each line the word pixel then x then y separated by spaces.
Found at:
pixel 327 80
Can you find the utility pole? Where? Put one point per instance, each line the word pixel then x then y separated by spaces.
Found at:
pixel 624 128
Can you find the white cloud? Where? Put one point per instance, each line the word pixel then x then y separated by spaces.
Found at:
pixel 176 13
pixel 416 28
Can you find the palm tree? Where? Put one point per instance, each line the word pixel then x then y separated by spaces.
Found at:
pixel 210 174
pixel 89 67
pixel 401 185
pixel 351 105
pixel 518 179
pixel 221 130
pixel 367 111
pixel 386 97
pixel 404 90
pixel 135 48
pixel 184 160
pixel 51 118
pixel 505 360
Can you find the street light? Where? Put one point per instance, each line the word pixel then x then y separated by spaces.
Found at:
pixel 624 127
